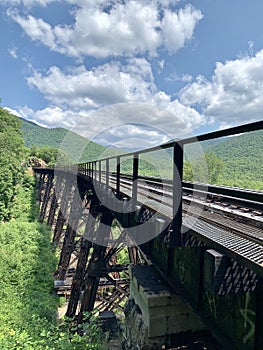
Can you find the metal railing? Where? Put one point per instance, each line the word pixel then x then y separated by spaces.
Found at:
pixel 101 172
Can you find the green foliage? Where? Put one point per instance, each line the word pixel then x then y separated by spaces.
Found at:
pixel 76 147
pixel 11 155
pixel 28 305
pixel 205 169
pixel 242 157
pixel 50 155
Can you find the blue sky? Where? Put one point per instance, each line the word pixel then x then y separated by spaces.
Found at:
pixel 106 68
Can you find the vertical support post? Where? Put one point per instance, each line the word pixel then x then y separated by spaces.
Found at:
pixel 118 175
pixel 64 204
pixel 92 170
pixel 40 186
pixel 70 234
pixel 78 278
pixel 49 185
pixel 135 179
pixel 54 202
pixel 100 171
pixel 176 238
pixel 96 264
pixel 95 170
pixel 107 174
pixel 133 255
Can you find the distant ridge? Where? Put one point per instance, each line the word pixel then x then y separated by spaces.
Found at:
pixel 39 136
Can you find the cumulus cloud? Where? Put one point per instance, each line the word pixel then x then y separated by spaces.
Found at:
pixel 106 84
pixel 50 116
pixel 233 94
pixel 117 92
pixel 103 28
pixel 110 84
pixel 135 124
pixel 178 27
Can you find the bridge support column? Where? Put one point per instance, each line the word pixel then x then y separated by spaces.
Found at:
pixel 57 188
pixel 63 208
pixel 77 282
pixel 40 182
pixel 49 186
pixel 69 239
pixel 96 264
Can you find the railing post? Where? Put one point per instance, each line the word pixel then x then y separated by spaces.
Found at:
pixel 107 173
pixel 92 170
pixel 118 175
pixel 135 179
pixel 176 238
pixel 95 170
pixel 99 171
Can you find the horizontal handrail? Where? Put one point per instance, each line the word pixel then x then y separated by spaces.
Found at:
pixel 193 139
pixel 94 170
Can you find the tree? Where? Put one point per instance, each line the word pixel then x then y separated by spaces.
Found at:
pixel 50 155
pixel 11 156
pixel 204 169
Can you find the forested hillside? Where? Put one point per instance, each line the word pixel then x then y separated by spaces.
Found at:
pixel 242 157
pixel 35 135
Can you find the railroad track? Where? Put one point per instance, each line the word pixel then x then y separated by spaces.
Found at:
pixel 246 204
pixel 237 211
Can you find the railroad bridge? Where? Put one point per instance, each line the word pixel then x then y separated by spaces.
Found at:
pixel 182 260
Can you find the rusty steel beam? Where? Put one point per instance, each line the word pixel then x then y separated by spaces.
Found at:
pixel 54 201
pixel 70 234
pixel 64 204
pixel 77 282
pixel 48 187
pixel 96 264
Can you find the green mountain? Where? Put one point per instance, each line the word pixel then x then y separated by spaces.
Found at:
pixel 73 144
pixel 242 157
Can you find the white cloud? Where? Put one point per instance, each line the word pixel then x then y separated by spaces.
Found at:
pixel 234 93
pixel 178 27
pixel 102 125
pixel 39 30
pixel 110 84
pixel 13 111
pixel 176 77
pixel 116 92
pixel 149 123
pixel 106 84
pixel 50 116
pixel 103 28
